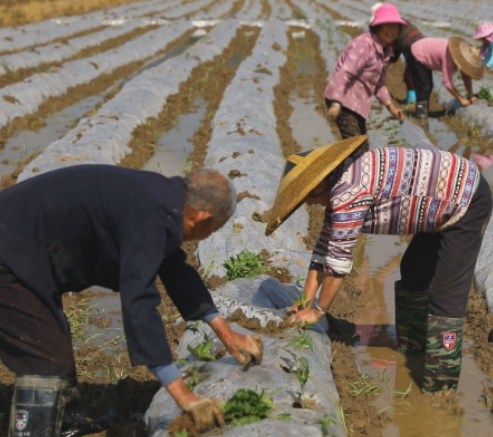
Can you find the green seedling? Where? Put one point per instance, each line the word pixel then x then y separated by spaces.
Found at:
pixel 475 130
pixel 193 374
pixel 301 370
pixel 299 15
pixel 283 416
pixel 403 394
pixel 302 302
pixel 365 384
pixel 247 406
pixel 245 265
pixel 202 351
pixel 182 433
pixel 301 340
pixel 484 93
pixel 324 422
pixel 193 326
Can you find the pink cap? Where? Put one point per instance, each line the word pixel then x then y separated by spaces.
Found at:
pixel 484 30
pixel 387 13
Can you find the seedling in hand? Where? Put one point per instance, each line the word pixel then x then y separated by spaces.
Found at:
pixel 247 406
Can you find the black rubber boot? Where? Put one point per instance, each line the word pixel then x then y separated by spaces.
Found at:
pixel 75 423
pixel 421 110
pixel 37 406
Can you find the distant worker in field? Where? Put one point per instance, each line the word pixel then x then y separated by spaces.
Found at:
pixel 484 33
pixel 360 74
pixel 439 197
pixel 448 56
pixel 408 35
pixel 87 225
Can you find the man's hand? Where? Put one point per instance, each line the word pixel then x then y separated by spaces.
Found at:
pixel 205 413
pixel 464 102
pixel 309 315
pixel 245 348
pixel 334 111
pixel 473 99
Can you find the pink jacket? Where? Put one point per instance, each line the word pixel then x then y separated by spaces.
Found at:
pixel 433 53
pixel 359 74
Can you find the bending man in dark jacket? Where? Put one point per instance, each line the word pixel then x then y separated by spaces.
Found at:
pixel 88 225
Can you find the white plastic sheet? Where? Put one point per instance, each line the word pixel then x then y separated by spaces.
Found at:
pixel 225 376
pixel 103 138
pixel 29 95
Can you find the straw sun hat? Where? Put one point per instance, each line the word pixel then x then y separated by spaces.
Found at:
pixel 303 172
pixel 466 57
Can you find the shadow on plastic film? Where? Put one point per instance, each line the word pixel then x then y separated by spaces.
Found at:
pixel 399 377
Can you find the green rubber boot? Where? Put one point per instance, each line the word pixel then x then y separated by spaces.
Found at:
pixel 443 354
pixel 411 319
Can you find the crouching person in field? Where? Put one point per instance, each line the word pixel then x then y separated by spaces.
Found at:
pixel 439 197
pixel 87 225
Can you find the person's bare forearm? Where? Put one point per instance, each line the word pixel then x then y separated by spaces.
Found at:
pixel 330 287
pixel 468 84
pixel 313 281
pixel 182 395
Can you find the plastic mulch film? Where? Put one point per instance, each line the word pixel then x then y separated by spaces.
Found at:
pixel 57 52
pixel 245 141
pixel 478 114
pixel 46 31
pixel 221 378
pixel 280 10
pixel 142 97
pixel 251 11
pixel 26 97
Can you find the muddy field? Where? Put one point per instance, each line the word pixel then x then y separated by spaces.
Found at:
pixel 378 388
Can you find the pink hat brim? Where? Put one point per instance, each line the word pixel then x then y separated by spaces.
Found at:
pixel 377 22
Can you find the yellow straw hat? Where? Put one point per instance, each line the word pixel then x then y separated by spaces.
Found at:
pixel 303 172
pixel 466 57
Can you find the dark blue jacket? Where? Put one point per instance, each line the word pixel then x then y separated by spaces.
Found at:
pixel 87 225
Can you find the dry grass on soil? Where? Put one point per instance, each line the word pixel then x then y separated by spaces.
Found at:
pixel 17 12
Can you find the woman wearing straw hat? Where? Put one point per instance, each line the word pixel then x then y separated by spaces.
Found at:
pixel 438 196
pixel 360 74
pixel 445 55
pixel 484 33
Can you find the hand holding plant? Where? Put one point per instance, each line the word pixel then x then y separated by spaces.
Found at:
pixel 245 348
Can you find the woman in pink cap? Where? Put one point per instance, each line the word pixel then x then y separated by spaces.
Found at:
pixel 484 33
pixel 360 73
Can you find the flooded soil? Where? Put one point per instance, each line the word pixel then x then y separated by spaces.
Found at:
pixel 98 86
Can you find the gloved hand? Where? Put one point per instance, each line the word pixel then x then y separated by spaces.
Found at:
pixel 334 111
pixel 245 348
pixel 205 413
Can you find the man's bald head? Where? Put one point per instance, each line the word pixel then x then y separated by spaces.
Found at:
pixel 211 191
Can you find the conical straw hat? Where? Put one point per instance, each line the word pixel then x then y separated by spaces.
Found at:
pixel 466 57
pixel 303 172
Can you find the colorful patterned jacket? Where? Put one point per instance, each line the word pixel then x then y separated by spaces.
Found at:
pixel 391 191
